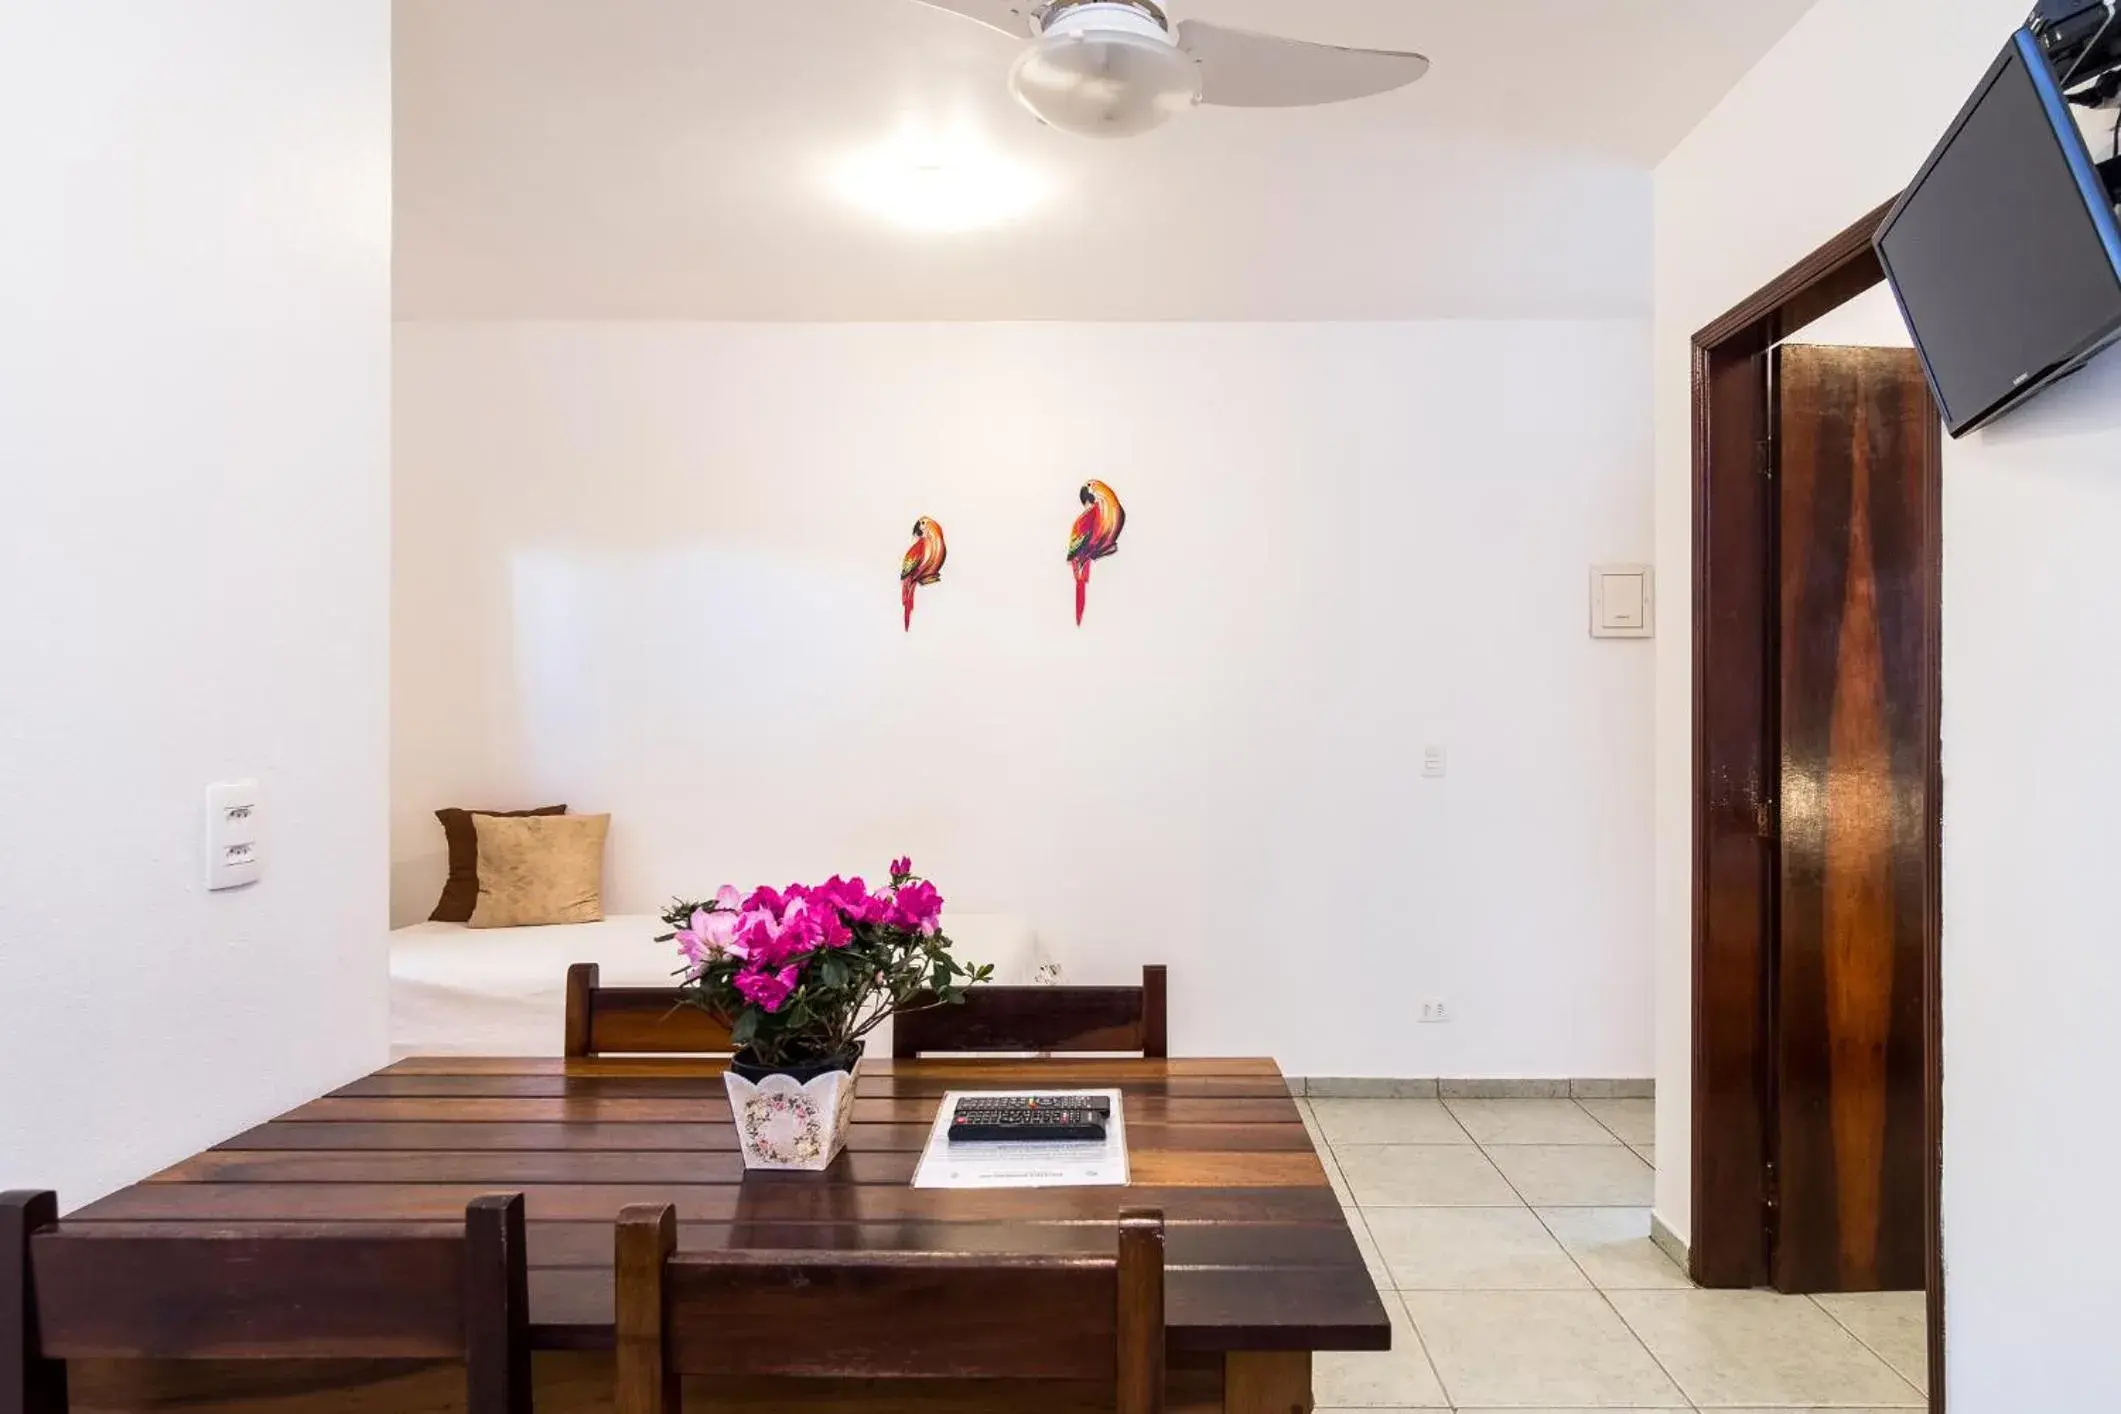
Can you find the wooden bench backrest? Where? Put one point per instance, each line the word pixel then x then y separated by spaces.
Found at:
pixel 636 1020
pixel 885 1315
pixel 193 1291
pixel 1044 1019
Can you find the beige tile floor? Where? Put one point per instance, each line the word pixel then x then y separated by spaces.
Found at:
pixel 1510 1239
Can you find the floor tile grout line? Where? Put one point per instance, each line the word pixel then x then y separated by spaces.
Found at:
pixel 1361 1211
pixel 1633 1334
pixel 1617 1135
pixel 1622 1317
pixel 1406 1143
pixel 1855 1335
pixel 1353 1207
pixel 1513 1184
pixel 1398 1296
pixel 1618 1314
pixel 1327 1157
pixel 1400 1299
pixel 1603 1294
pixel 1550 1144
pixel 1427 1359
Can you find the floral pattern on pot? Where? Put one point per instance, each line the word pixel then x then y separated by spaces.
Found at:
pixel 784 1125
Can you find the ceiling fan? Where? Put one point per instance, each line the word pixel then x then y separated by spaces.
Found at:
pixel 1115 68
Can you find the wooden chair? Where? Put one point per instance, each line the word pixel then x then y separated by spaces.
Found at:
pixel 636 1020
pixel 885 1315
pixel 1043 1019
pixel 197 1291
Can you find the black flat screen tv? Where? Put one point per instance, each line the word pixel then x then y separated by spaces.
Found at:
pixel 2004 252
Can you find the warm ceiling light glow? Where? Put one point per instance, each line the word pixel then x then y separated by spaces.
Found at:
pixel 938 186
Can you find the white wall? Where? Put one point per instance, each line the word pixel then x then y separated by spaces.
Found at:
pixel 194 482
pixel 652 569
pixel 1831 123
pixel 1870 320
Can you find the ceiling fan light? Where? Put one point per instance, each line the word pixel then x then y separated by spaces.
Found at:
pixel 1105 82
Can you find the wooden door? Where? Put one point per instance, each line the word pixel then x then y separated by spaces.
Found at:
pixel 1735 753
pixel 1854 448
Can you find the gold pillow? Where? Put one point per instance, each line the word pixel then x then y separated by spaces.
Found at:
pixel 539 869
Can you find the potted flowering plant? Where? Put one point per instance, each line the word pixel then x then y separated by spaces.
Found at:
pixel 799 976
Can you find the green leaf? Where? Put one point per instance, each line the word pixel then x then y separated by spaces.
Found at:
pixel 746 1029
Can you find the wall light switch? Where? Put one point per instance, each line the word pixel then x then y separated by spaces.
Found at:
pixel 1433 761
pixel 232 845
pixel 1623 601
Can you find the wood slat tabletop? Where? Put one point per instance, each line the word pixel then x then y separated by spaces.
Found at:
pixel 1260 1255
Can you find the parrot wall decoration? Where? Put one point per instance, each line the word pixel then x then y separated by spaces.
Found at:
pixel 923 563
pixel 1096 535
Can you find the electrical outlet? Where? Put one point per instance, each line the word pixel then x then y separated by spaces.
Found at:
pixel 1435 1011
pixel 233 851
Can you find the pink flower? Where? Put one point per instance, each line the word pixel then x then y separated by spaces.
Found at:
pixel 803 927
pixel 709 933
pixel 916 908
pixel 759 941
pixel 766 899
pixel 773 931
pixel 845 895
pixel 767 990
pixel 754 931
pixel 850 900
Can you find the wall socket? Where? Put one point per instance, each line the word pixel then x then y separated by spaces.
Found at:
pixel 1435 1011
pixel 233 850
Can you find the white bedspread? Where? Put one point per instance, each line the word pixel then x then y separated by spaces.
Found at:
pixel 503 991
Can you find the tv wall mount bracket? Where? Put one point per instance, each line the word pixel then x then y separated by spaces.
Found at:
pixel 2082 40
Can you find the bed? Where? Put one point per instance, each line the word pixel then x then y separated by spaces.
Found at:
pixel 503 991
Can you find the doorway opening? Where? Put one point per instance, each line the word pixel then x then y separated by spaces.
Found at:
pixel 1817 1070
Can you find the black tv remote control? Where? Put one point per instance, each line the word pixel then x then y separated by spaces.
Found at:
pixel 1029 1118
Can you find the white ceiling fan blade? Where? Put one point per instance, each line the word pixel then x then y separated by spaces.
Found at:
pixel 1011 17
pixel 1244 70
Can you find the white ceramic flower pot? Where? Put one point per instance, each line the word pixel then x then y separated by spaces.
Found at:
pixel 786 1124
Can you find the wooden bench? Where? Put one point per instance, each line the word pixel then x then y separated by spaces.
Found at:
pixel 636 1020
pixel 1044 1019
pixel 311 1292
pixel 902 1316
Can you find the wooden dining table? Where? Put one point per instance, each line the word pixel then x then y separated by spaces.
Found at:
pixel 1262 1267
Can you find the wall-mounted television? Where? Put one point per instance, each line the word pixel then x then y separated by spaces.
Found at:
pixel 2004 252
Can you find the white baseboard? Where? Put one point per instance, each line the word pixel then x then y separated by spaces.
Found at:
pixel 1471 1088
pixel 1668 1243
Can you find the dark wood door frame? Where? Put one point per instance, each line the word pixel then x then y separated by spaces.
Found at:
pixel 1735 768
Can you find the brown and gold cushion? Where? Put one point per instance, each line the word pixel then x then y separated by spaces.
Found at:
pixel 461 893
pixel 539 869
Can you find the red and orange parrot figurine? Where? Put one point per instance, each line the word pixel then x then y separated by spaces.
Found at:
pixel 923 563
pixel 1095 536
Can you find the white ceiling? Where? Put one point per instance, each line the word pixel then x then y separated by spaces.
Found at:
pixel 685 159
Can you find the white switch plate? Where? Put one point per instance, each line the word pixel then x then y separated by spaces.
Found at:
pixel 232 846
pixel 1433 761
pixel 1433 1011
pixel 1623 601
